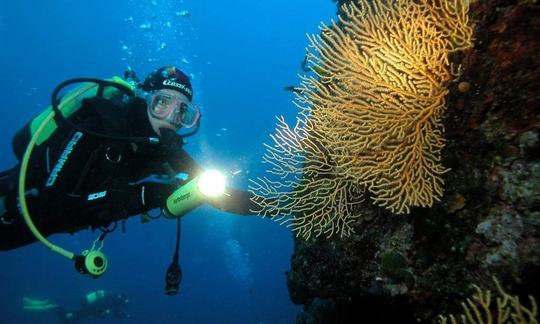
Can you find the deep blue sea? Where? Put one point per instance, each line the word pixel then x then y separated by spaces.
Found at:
pixel 240 56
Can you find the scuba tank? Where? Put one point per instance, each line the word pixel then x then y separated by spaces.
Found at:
pixel 70 104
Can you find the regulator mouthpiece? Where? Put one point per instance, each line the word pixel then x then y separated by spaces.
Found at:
pixel 93 263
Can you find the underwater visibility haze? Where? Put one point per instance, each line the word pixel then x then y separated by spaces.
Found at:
pixel 239 56
pixel 393 144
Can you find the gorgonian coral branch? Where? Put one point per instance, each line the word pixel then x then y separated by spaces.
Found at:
pixel 371 115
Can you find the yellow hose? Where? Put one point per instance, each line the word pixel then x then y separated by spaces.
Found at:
pixel 22 196
pixel 22 178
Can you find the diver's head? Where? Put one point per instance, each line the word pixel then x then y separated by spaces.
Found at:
pixel 169 99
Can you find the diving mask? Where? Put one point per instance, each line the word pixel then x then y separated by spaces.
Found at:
pixel 174 108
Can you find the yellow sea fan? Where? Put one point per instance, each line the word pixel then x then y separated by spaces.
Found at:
pixel 309 186
pixel 371 116
pixel 382 76
pixel 485 307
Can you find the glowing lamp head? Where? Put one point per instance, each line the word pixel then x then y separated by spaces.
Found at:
pixel 211 183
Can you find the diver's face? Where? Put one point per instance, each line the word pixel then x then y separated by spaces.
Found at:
pixel 166 109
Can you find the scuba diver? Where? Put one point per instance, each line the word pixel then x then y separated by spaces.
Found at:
pixel 97 305
pixel 92 170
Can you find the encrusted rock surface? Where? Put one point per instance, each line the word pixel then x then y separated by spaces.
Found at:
pixel 411 268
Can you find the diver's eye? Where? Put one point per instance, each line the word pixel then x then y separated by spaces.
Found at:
pixel 163 100
pixel 183 107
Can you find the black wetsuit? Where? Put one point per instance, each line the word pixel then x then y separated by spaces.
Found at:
pixel 76 180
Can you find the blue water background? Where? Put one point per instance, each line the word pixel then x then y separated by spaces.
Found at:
pixel 240 54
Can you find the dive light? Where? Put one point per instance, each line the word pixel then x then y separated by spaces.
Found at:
pixel 208 185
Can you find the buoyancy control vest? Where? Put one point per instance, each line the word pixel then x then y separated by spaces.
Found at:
pixel 42 127
pixel 67 107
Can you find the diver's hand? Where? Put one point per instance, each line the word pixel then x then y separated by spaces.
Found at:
pixel 234 201
pixel 155 194
pixel 170 141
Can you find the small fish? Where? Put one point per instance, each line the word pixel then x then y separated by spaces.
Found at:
pixel 293 89
pixel 183 13
pixel 304 64
pixel 237 172
pixel 145 26
pixel 126 49
pixel 223 129
pixel 184 60
pixel 162 46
